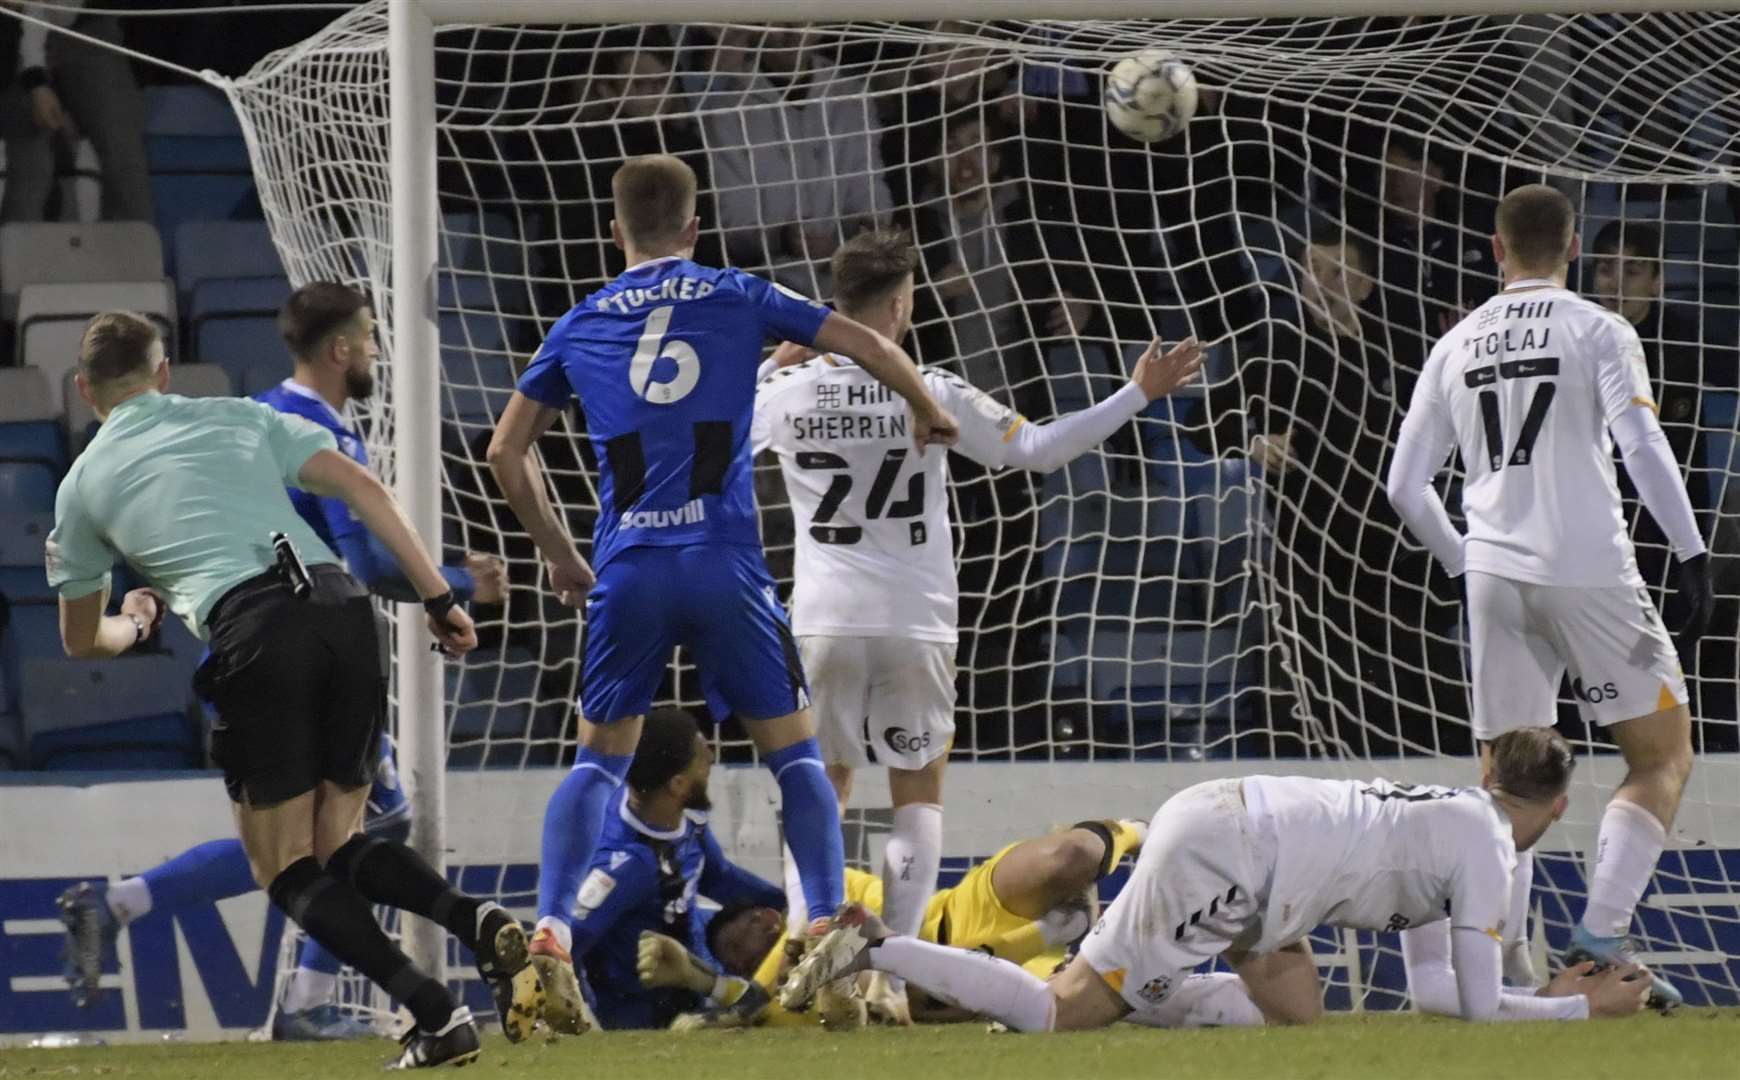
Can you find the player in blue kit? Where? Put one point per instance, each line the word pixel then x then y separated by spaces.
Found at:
pixel 655 857
pixel 663 360
pixel 329 330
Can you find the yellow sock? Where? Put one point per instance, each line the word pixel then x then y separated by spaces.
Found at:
pixel 1124 839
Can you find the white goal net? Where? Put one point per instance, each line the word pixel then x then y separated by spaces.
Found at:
pixel 1180 600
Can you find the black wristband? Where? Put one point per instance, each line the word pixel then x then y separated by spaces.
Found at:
pixel 32 77
pixel 439 606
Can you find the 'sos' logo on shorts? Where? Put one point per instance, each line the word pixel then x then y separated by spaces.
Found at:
pixel 1154 991
pixel 1592 693
pixel 652 348
pixel 902 741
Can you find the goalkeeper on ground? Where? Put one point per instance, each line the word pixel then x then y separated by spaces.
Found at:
pixel 1026 904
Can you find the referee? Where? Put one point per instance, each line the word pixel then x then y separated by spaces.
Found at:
pixel 191 494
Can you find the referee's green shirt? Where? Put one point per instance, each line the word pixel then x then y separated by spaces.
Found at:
pixel 188 491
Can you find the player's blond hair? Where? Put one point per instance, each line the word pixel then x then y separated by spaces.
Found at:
pixel 654 198
pixel 1532 764
pixel 116 347
pixel 1536 223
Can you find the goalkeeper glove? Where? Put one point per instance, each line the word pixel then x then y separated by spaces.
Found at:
pixel 1698 590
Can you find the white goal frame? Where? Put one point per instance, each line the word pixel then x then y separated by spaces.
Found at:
pixel 415 369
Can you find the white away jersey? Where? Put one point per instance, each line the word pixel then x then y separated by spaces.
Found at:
pixel 875 554
pixel 1526 387
pixel 1373 855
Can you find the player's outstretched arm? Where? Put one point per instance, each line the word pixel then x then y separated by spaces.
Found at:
pixel 330 473
pixel 1052 445
pixel 888 363
pixel 1649 461
pixel 514 462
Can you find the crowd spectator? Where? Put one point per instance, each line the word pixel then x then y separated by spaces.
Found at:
pixel 794 147
pixel 1627 278
pixel 66 89
pixel 1316 401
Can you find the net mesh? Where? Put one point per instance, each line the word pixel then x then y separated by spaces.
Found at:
pixel 1224 579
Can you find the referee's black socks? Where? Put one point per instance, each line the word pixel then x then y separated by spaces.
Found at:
pixel 392 874
pixel 335 915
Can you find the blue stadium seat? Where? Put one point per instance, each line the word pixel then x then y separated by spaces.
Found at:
pixel 192 129
pixel 486 249
pixel 11 742
pixel 22 579
pixel 477 370
pixel 184 197
pixel 129 713
pixel 236 296
pixel 262 377
pixel 494 706
pixel 33 440
pixel 239 344
pixel 27 486
pixel 215 250
pixel 35 630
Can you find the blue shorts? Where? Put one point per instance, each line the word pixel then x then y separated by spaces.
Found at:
pixel 719 602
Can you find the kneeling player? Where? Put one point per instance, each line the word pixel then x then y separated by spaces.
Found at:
pixel 1023 905
pixel 1247 868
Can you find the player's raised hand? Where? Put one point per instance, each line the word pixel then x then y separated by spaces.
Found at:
pixel 1158 374
pixel 571 580
pixel 937 428
pixel 453 631
pixel 489 577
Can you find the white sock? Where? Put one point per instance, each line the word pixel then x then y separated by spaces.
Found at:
pixel 564 933
pixel 971 980
pixel 909 865
pixel 306 989
pixel 796 907
pixel 1625 857
pixel 1519 967
pixel 1216 999
pixel 129 899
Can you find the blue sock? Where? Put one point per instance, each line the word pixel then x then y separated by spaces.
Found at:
pixel 314 957
pixel 572 823
pixel 812 825
pixel 214 870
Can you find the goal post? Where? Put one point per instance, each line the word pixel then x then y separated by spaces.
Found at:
pixel 1135 621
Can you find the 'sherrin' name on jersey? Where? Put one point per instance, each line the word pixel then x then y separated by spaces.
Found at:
pixel 663 360
pixel 1526 386
pixel 875 556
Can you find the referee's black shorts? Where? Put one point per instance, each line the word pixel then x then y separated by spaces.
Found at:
pixel 298 685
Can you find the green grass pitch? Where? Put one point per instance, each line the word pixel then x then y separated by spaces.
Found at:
pixel 1695 1044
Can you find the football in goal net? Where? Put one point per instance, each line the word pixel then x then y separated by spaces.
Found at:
pixel 1222 587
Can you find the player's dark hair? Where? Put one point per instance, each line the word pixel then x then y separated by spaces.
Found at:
pixel 116 345
pixel 1532 764
pixel 1536 221
pixel 655 197
pixel 1642 241
pixel 314 312
pixel 722 918
pixel 666 748
pixel 870 266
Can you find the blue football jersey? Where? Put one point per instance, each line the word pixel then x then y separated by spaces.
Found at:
pixel 330 518
pixel 644 878
pixel 663 360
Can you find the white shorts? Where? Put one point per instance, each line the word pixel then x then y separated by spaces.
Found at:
pixel 1525 637
pixel 1197 891
pixel 881 700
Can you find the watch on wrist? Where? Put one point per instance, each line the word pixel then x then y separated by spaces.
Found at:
pixel 140 628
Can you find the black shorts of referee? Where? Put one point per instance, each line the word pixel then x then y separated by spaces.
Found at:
pixel 298 684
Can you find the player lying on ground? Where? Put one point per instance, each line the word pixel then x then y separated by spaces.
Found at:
pixel 1247 868
pixel 655 858
pixel 1534 387
pixel 329 330
pixel 874 602
pixel 190 492
pixel 663 360
pixel 1026 905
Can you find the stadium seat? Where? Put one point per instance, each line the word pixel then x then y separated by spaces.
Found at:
pixel 494 703
pixel 22 578
pixel 128 713
pixel 235 297
pixel 11 742
pixel 52 318
pixel 239 344
pixel 30 419
pixel 35 630
pixel 200 380
pixel 61 252
pixel 192 129
pixel 262 377
pixel 215 250
pixel 483 256
pixel 477 370
pixel 27 486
